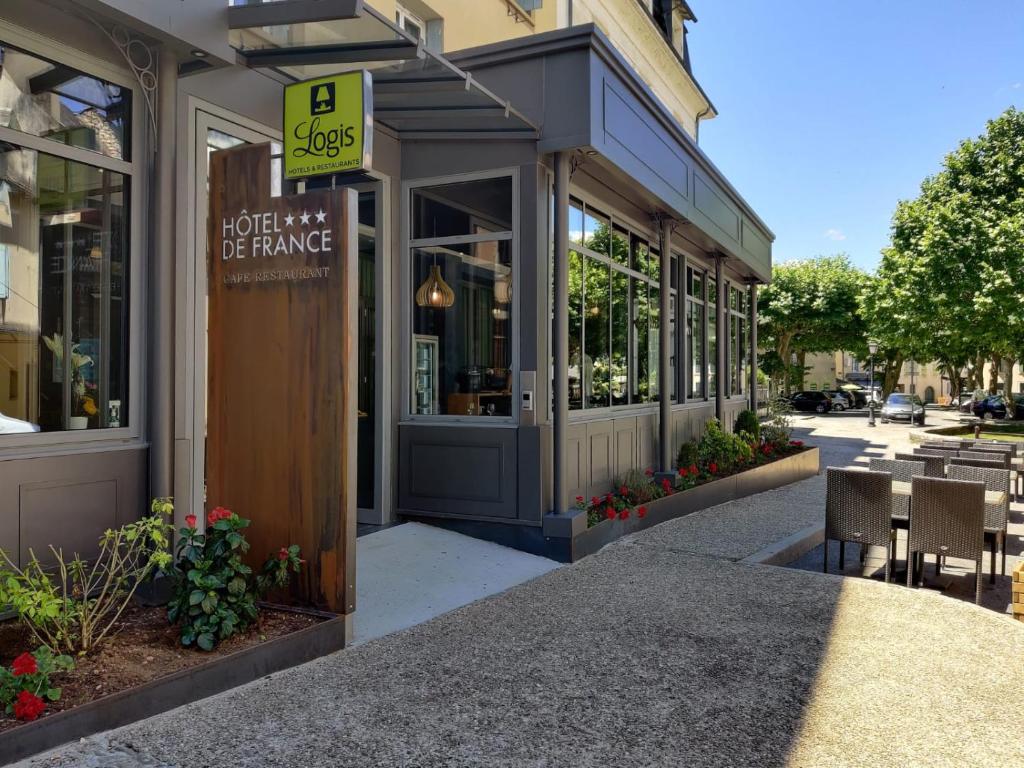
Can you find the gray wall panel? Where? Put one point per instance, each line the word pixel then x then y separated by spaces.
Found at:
pixel 625 446
pixel 458 470
pixel 577 467
pixel 69 500
pixel 601 457
pixel 647 441
pixel 643 140
pixel 711 204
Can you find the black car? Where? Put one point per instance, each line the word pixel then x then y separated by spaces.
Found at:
pixel 995 407
pixel 808 400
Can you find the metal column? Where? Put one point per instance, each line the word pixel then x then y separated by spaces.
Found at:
pixel 721 339
pixel 161 284
pixel 560 330
pixel 665 352
pixel 753 347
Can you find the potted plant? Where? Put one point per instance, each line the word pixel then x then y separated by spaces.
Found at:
pixel 82 405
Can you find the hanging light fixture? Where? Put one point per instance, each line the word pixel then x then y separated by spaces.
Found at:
pixel 503 288
pixel 435 293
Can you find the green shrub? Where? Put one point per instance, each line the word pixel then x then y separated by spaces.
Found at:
pixel 721 451
pixel 688 454
pixel 216 593
pixel 777 430
pixel 73 605
pixel 636 487
pixel 748 422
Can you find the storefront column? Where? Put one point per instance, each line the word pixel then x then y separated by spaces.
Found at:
pixel 753 347
pixel 560 330
pixel 161 348
pixel 665 351
pixel 722 339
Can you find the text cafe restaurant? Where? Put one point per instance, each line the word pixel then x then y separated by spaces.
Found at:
pixel 271 254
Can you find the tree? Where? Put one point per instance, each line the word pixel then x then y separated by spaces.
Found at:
pixel 952 279
pixel 811 305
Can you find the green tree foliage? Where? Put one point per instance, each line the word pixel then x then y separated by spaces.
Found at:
pixel 811 305
pixel 949 287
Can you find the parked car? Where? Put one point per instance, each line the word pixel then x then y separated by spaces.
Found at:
pixel 996 407
pixel 899 406
pixel 809 400
pixel 966 402
pixel 839 401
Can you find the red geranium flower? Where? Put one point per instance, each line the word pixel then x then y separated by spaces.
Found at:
pixel 665 485
pixel 579 499
pixel 190 521
pixel 282 553
pixel 24 665
pixel 693 469
pixel 641 511
pixel 594 500
pixel 712 468
pixel 28 706
pixel 610 513
pixel 683 472
pixel 649 472
pixel 623 514
pixel 623 490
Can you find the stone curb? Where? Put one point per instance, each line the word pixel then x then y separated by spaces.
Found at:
pixel 790 548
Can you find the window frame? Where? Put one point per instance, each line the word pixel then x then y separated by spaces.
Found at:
pixel 64 441
pixel 636 232
pixel 408 290
pixel 688 265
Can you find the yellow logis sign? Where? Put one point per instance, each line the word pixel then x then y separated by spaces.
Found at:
pixel 328 125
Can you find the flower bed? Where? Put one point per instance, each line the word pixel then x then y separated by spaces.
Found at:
pixel 84 655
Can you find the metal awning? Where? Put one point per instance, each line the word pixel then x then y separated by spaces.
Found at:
pixel 415 90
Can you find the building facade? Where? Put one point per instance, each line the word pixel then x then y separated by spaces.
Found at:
pixel 540 157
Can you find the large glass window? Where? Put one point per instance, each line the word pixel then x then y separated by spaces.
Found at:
pixel 712 316
pixel 738 356
pixel 462 288
pixel 613 312
pixel 63 294
pixel 695 331
pixel 56 102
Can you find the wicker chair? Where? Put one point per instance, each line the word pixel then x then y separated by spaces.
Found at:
pixel 934 466
pixel 996 515
pixel 1014 447
pixel 947 520
pixel 985 463
pixel 858 507
pixel 943 446
pixel 1001 456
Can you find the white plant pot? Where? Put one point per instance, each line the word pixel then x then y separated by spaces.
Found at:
pixel 78 422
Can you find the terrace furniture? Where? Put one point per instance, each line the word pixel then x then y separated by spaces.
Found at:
pixel 945 445
pixel 902 471
pixel 990 463
pixel 1003 458
pixel 996 514
pixel 947 519
pixel 1014 447
pixel 858 507
pixel 934 462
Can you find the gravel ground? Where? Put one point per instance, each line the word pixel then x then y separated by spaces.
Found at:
pixel 655 651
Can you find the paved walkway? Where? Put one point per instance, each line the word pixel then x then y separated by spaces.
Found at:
pixel 662 649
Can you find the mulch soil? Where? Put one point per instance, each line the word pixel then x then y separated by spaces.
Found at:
pixel 141 648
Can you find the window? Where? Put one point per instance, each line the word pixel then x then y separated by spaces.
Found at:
pixel 712 300
pixel 409 22
pixel 52 101
pixel 614 312
pixel 462 288
pixel 64 250
pixel 695 317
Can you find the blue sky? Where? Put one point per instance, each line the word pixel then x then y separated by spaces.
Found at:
pixel 830 112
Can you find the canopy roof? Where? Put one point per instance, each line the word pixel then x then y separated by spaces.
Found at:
pixel 415 90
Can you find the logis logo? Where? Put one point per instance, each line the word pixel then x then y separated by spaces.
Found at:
pixel 321 99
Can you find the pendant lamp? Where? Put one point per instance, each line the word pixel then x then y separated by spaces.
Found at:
pixel 435 293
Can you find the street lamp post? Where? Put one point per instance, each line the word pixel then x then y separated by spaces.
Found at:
pixel 872 348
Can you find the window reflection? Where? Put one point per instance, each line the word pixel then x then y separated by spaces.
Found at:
pixel 64 294
pixel 596 366
pixel 54 101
